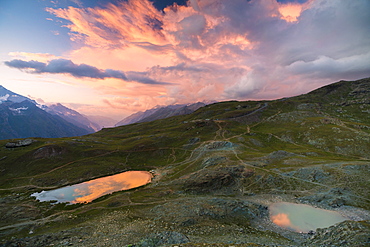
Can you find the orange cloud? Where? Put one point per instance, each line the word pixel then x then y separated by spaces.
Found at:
pixel 115 25
pixel 291 11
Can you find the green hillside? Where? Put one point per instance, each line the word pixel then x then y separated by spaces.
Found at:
pixel 216 172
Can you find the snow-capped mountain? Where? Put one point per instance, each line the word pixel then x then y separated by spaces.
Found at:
pixel 21 117
pixel 7 95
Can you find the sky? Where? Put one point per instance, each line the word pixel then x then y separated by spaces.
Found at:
pixel 116 57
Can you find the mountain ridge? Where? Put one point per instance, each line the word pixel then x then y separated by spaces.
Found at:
pixel 160 112
pixel 7 95
pixel 73 117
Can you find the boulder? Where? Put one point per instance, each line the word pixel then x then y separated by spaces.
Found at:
pixel 20 143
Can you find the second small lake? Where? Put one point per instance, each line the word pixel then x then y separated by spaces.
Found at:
pixel 301 217
pixel 93 189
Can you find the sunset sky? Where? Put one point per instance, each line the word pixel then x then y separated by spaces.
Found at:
pixel 114 58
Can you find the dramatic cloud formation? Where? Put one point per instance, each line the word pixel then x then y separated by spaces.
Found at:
pixel 64 66
pixel 214 49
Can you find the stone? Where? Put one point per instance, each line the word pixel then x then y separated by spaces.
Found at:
pixel 20 143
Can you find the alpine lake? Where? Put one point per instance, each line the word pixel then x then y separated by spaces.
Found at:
pixel 88 191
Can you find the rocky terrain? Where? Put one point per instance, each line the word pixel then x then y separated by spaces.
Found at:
pixel 216 172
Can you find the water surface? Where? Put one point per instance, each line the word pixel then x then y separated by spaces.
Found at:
pixel 301 217
pixel 93 189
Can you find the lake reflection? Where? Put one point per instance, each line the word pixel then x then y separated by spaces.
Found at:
pixel 302 218
pixel 90 190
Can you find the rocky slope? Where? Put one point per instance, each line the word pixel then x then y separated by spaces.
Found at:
pixel 217 171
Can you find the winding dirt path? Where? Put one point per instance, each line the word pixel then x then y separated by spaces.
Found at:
pixel 195 155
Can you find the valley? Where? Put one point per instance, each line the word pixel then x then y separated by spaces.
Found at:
pixel 216 172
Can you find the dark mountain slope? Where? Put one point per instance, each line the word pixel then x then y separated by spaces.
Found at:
pixel 25 119
pixel 21 117
pixel 341 92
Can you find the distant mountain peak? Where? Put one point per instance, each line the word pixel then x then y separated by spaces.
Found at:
pixel 22 117
pixel 160 112
pixel 73 116
pixel 7 95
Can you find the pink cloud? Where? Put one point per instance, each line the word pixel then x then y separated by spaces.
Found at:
pixel 115 25
pixel 220 49
pixel 290 11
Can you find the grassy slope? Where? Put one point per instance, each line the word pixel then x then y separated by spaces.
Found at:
pixel 328 128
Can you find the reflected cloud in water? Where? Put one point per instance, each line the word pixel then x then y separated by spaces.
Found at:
pixel 301 217
pixel 91 190
pixel 281 220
